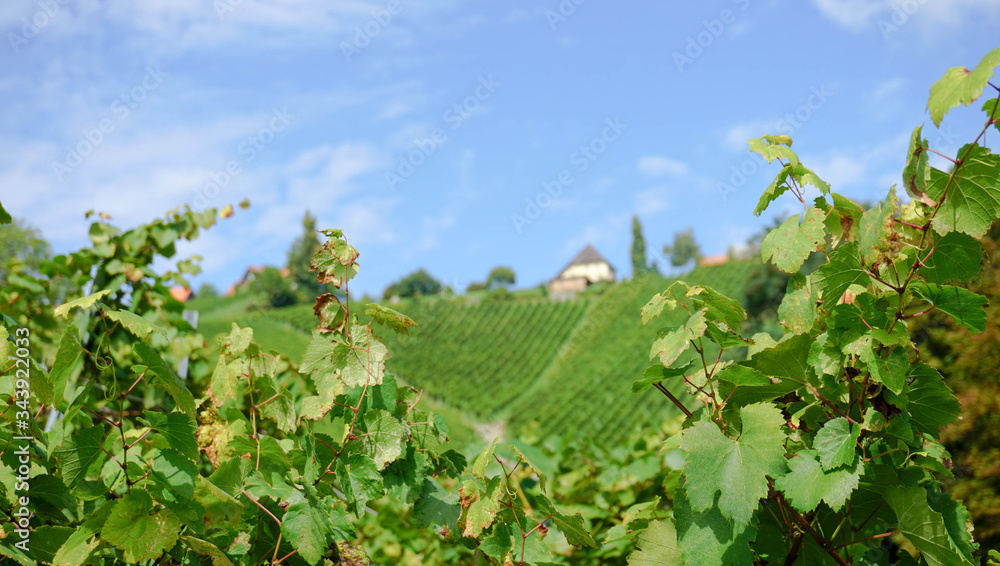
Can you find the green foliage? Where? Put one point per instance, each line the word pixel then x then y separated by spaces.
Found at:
pixel 248 461
pixel 419 283
pixel 827 438
pixel 274 287
pixel 684 248
pixel 640 266
pixel 500 277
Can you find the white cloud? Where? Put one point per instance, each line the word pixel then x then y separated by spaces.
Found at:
pixel 854 15
pixel 737 135
pixel 658 165
pixel 885 90
pixel 652 200
pixel 934 16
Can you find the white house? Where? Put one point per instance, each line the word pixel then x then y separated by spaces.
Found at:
pixel 588 267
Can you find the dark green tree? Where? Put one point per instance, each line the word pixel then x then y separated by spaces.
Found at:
pixel 500 276
pixel 275 287
pixel 640 266
pixel 684 249
pixel 415 284
pixel 301 252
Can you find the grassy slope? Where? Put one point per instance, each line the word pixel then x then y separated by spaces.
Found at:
pixel 566 368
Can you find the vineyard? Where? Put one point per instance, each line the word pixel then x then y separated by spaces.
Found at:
pixel 554 365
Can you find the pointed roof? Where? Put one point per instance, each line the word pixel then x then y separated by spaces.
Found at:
pixel 587 255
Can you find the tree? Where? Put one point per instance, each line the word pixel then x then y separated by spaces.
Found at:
pixel 276 287
pixel 207 290
pixel 300 253
pixel 22 250
pixel 415 284
pixel 684 249
pixel 640 266
pixel 500 276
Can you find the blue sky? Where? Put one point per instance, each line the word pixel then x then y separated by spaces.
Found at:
pixel 430 131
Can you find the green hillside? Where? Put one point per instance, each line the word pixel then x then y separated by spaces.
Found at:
pixel 587 389
pixel 564 367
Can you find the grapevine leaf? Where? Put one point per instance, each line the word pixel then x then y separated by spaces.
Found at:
pixel 787 360
pixel 654 307
pixel 384 440
pixel 738 468
pixel 363 361
pixel 5 217
pixel 930 403
pixel 360 480
pixel 78 454
pixel 205 548
pixel 483 507
pixel 956 520
pixel 173 471
pixel 743 385
pixel 437 506
pixel 718 307
pixel 917 171
pixel 308 530
pixel 773 147
pixel 498 543
pixel 924 527
pixel 67 359
pixel 840 272
pixel 889 370
pixel 657 545
pixel 657 373
pixel 836 443
pixel 83 303
pixel 336 261
pixel 525 461
pixel 963 306
pixel 140 531
pixel 876 229
pixel 238 340
pixel 673 341
pixel 78 548
pixel 572 526
pixel 959 85
pixel 788 246
pixel 774 190
pixel 797 311
pixel 277 404
pixel 331 313
pixel 842 218
pixel 318 362
pixel 220 507
pixel 957 257
pixel 138 326
pixel 164 377
pixel 226 380
pixel 178 429
pixel 707 537
pixel 806 484
pixel 973 200
pixel 992 110
pixel 484 459
pixel 396 321
pixel 46 541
